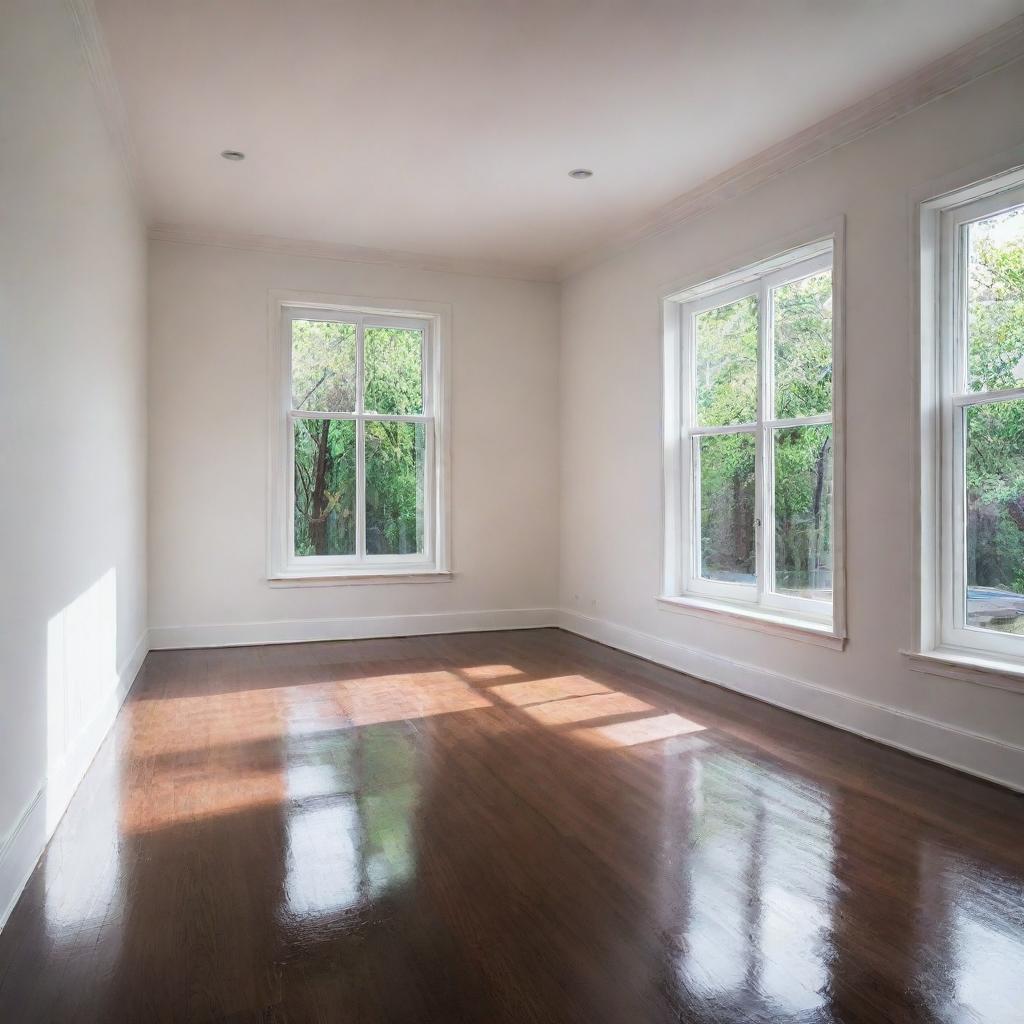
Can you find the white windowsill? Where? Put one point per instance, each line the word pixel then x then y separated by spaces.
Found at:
pixel 988 670
pixel 771 622
pixel 338 578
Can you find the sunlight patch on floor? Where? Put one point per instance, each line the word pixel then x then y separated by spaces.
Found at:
pixel 186 795
pixel 639 730
pixel 397 698
pixel 538 691
pixel 489 673
pixel 582 709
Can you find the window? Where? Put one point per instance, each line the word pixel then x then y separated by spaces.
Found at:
pixel 357 469
pixel 973 407
pixel 750 443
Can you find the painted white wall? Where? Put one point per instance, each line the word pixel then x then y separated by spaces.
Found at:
pixel 611 447
pixel 209 449
pixel 72 427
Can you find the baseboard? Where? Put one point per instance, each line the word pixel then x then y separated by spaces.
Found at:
pixel 966 751
pixel 24 845
pixel 291 631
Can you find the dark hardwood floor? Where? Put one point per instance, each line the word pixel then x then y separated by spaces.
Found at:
pixel 508 827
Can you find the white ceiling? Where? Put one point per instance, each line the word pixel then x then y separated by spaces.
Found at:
pixel 448 126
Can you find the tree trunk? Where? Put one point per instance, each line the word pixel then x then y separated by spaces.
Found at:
pixel 814 552
pixel 318 511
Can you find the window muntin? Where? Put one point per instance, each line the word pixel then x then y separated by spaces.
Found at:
pixel 981 431
pixel 755 493
pixel 359 443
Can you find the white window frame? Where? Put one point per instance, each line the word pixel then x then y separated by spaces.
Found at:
pixel 944 636
pixel 434 319
pixel 683 588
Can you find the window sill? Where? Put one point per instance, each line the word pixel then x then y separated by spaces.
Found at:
pixel 987 670
pixel 773 623
pixel 357 579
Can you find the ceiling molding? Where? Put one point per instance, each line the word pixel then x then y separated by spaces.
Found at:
pixel 351 253
pixel 980 57
pixel 108 95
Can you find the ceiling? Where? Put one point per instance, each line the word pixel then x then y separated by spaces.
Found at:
pixel 447 127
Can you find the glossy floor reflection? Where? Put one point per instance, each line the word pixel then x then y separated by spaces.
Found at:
pixel 508 827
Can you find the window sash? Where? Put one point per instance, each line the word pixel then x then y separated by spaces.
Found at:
pixel 762 593
pixel 361 321
pixel 955 399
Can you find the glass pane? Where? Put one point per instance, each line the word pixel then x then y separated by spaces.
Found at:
pixel 395 459
pixel 727 364
pixel 393 358
pixel 323 366
pixel 325 487
pixel 803 512
pixel 803 346
pixel 727 497
pixel 995 516
pixel 995 302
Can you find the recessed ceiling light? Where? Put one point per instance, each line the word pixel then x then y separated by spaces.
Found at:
pixel 232 154
pixel 580 173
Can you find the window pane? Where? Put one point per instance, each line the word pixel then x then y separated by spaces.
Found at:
pixel 393 360
pixel 727 364
pixel 727 496
pixel 325 487
pixel 803 346
pixel 995 302
pixel 395 457
pixel 803 512
pixel 323 366
pixel 995 516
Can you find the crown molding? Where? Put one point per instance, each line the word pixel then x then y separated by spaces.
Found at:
pixel 108 95
pixel 187 235
pixel 977 58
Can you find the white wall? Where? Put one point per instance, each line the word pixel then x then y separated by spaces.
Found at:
pixel 72 427
pixel 611 467
pixel 209 443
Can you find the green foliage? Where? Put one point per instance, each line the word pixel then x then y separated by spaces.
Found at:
pixel 323 366
pixel 727 500
pixel 727 388
pixel 995 432
pixel 394 379
pixel 324 379
pixel 995 303
pixel 803 509
pixel 726 364
pixel 394 488
pixel 803 347
pixel 726 378
pixel 995 495
pixel 325 487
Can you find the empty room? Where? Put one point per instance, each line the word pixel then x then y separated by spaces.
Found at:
pixel 513 511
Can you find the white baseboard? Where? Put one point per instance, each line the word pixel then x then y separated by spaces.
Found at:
pixel 966 751
pixel 291 631
pixel 23 847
